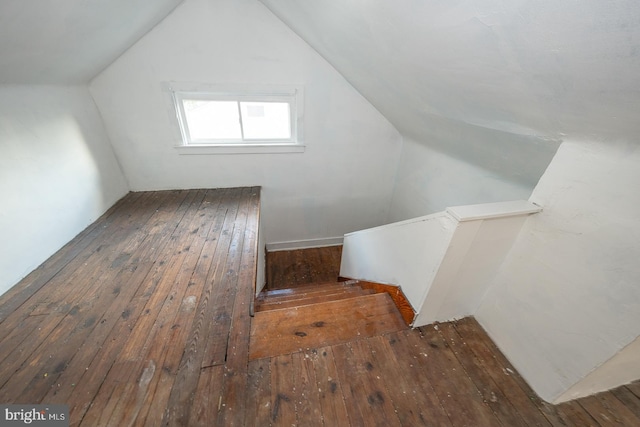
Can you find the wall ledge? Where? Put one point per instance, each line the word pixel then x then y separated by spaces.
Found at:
pixel 493 210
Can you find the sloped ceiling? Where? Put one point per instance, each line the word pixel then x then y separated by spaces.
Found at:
pixel 540 69
pixel 70 41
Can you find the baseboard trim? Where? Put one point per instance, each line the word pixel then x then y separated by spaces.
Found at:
pixel 304 244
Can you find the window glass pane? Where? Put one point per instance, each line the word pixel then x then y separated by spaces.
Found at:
pixel 209 120
pixel 266 120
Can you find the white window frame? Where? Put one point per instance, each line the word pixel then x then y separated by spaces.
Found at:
pixel 293 95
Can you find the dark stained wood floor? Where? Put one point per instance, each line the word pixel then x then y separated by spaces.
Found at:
pixel 288 269
pixel 143 319
pixel 445 374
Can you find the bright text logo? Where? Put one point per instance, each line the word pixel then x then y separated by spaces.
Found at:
pixel 34 415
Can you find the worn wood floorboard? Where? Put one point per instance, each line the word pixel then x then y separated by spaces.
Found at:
pixel 330 393
pixel 283 331
pixel 476 351
pixel 259 393
pixel 364 387
pixel 629 399
pixel 143 320
pixel 288 269
pixel 499 403
pixel 283 408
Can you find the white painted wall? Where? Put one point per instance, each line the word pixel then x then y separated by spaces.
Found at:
pixel 485 89
pixel 58 173
pixel 615 371
pixel 567 298
pixel 469 265
pixel 405 254
pixel 429 180
pixel 523 67
pixel 342 182
pixel 66 42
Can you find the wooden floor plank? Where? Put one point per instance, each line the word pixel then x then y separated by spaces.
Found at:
pixel 375 380
pixel 287 276
pixel 331 256
pixel 275 261
pixel 178 307
pixel 332 401
pixel 532 408
pixel 312 298
pixel 366 397
pixel 302 266
pixel 303 270
pixel 162 314
pixel 215 350
pixel 171 314
pixel 75 327
pixel 402 393
pixel 286 331
pixel 475 368
pixel 465 406
pixel 353 389
pixel 11 300
pixel 236 371
pixel 140 324
pixel 499 380
pixel 307 396
pixel 573 414
pixel 283 394
pixel 259 393
pixel 416 378
pixel 317 272
pixel 210 273
pixel 630 400
pixel 634 388
pixel 608 410
pixel 207 402
pixel 77 275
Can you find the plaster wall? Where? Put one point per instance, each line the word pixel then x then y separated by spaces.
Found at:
pixel 470 263
pixel 615 371
pixel 483 91
pixel 66 42
pixel 524 67
pixel 342 182
pixel 407 254
pixel 443 262
pixel 567 300
pixel 429 180
pixel 58 173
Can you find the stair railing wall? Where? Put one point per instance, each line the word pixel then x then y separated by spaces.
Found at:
pixel 444 262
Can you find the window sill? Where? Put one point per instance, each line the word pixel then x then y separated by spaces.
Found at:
pixel 240 149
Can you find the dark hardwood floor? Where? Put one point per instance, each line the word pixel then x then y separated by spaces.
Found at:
pixel 141 316
pixel 143 319
pixel 445 374
pixel 288 269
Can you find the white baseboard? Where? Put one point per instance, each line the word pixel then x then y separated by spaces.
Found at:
pixel 304 244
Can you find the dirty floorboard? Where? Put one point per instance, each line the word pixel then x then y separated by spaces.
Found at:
pixel 143 319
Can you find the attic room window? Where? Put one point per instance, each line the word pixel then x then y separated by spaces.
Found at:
pixel 239 121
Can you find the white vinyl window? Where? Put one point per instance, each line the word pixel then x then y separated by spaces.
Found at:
pixel 240 119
